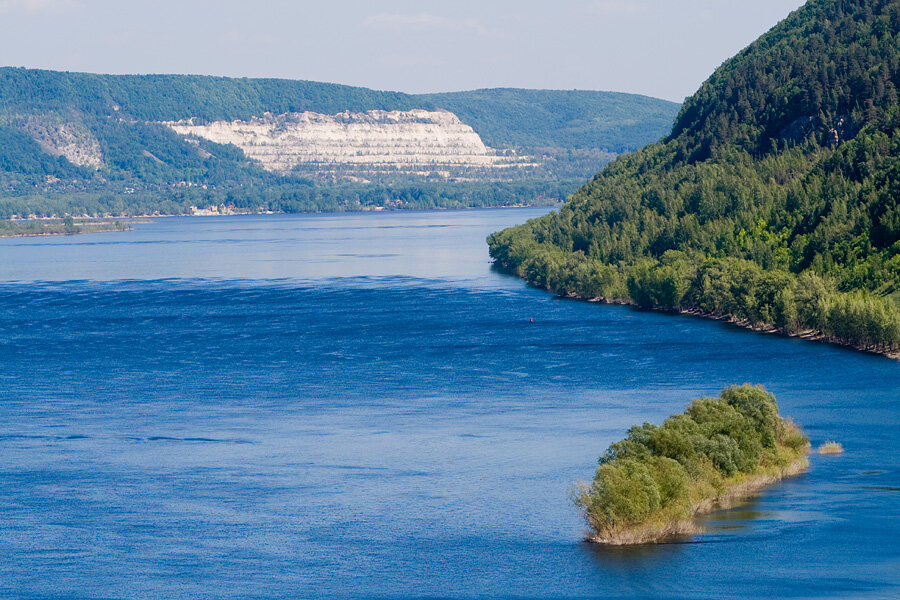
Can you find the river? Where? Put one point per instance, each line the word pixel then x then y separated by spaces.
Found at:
pixel 358 406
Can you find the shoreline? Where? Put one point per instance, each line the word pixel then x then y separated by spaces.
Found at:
pixel 738 492
pixel 372 209
pixel 143 218
pixel 808 335
pixel 22 228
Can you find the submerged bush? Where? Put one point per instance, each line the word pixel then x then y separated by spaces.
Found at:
pixel 831 448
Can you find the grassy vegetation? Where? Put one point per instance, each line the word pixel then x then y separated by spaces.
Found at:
pixel 831 448
pixel 650 485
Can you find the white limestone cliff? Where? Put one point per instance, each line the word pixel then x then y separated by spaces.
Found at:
pixel 374 141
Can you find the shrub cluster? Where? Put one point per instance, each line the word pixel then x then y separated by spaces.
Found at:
pixel 792 303
pixel 659 474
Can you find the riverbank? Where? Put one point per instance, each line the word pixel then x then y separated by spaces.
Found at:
pixel 38 226
pixel 809 335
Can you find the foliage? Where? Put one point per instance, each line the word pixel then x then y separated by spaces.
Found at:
pixel 774 200
pixel 176 97
pixel 503 117
pixel 67 225
pixel 574 119
pixel 571 134
pixel 20 154
pixel 285 197
pixel 660 473
pixel 830 448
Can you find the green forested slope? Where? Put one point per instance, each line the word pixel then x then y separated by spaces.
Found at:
pixel 175 97
pixel 774 199
pixel 503 117
pixel 572 119
pixel 572 133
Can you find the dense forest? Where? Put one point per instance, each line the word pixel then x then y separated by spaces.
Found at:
pixel 560 119
pixel 650 485
pixel 570 134
pixel 773 201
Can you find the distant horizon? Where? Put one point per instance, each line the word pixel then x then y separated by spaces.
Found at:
pixel 652 48
pixel 454 91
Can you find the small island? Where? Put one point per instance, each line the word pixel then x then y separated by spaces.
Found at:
pixel 60 226
pixel 651 485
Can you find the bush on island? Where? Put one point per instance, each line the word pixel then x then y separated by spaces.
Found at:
pixel 650 485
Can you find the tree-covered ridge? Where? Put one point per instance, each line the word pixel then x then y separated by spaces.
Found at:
pixel 825 72
pixel 176 97
pixel 504 117
pixel 572 119
pixel 774 200
pixel 570 134
pixel 651 484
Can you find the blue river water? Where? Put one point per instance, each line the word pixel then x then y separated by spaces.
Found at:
pixel 358 406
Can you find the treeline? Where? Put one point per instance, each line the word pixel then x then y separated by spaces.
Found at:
pixel 505 118
pixel 715 287
pixel 737 215
pixel 306 197
pixel 176 97
pixel 649 485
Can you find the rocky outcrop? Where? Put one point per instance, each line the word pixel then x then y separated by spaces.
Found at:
pixel 415 141
pixel 70 139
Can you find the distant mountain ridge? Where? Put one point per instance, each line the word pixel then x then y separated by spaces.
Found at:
pixel 68 133
pixel 775 200
pixel 527 118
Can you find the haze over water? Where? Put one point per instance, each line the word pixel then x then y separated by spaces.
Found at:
pixel 357 406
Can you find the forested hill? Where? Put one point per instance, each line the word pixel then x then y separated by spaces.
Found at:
pixel 176 97
pixel 570 119
pixel 774 200
pixel 504 117
pixel 68 138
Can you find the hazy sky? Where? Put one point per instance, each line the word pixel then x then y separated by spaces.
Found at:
pixel 663 48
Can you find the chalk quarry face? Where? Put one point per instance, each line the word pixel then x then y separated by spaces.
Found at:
pixel 418 142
